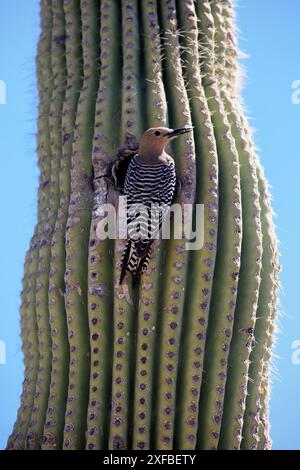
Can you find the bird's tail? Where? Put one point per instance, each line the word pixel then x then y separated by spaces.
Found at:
pixel 132 262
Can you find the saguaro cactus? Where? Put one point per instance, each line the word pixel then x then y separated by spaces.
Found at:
pixel 181 360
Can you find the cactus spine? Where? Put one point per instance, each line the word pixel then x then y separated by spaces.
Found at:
pixel 181 361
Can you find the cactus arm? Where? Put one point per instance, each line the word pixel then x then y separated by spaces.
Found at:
pixel 174 271
pixel 201 263
pixel 77 233
pixel 100 292
pixel 70 62
pixel 148 293
pixel 46 226
pixel 221 314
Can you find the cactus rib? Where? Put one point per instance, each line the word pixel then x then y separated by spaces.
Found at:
pixel 221 314
pixel 69 83
pixel 266 312
pixel 77 232
pixel 182 358
pixel 30 345
pixel 175 268
pixel 249 281
pixel 149 287
pixel 100 292
pixel 201 269
pixel 124 310
pixel 35 429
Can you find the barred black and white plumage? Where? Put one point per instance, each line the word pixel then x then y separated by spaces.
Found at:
pixel 149 187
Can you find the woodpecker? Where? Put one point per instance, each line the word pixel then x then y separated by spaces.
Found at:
pixel 149 186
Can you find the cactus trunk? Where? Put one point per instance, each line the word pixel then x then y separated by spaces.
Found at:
pixel 182 360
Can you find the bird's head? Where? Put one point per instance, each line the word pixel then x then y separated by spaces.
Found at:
pixel 154 140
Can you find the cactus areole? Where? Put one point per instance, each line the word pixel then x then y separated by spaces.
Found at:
pixel 180 359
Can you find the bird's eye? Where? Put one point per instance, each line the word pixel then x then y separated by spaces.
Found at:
pixel 157 133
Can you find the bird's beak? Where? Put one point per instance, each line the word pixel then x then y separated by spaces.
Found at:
pixel 179 131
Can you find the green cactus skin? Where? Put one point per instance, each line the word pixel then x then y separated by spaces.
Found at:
pixel 174 270
pixel 68 32
pixel 220 48
pixel 223 301
pixel 19 440
pixel 124 308
pixel 226 52
pixel 264 328
pixel 77 233
pixel 156 104
pixel 148 307
pixel 25 350
pixel 100 303
pixel 182 360
pixel 264 440
pixel 232 71
pixel 251 255
pixel 248 289
pixel 201 266
pixel 45 230
pixel 30 346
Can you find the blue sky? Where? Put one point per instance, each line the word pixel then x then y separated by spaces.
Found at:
pixel 269 35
